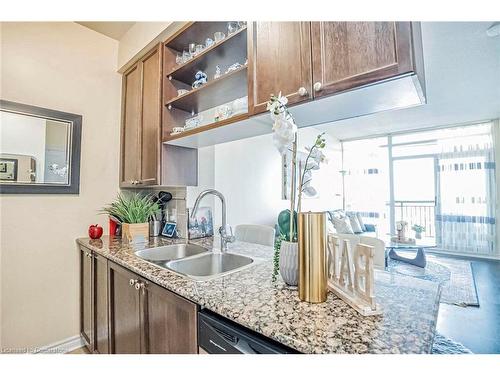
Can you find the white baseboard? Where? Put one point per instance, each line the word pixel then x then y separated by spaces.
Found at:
pixel 64 346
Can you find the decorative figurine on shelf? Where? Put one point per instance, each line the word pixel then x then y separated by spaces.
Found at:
pixel 217 72
pixel 201 79
pixel 208 42
pixel 235 66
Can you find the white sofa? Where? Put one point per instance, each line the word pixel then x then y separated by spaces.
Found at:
pixel 378 245
pixel 368 237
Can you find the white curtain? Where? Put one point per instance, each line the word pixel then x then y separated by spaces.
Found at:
pixel 466 194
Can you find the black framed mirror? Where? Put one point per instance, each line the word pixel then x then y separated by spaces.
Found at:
pixel 39 150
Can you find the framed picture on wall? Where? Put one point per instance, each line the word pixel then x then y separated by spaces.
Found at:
pixel 202 224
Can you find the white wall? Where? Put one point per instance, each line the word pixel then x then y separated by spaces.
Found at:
pixel 67 67
pixel 248 173
pixel 206 177
pixel 142 37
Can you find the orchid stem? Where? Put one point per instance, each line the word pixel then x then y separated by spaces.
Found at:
pixel 293 188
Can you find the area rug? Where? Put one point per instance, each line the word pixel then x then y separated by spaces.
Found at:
pixel 444 345
pixel 461 288
pixel 454 275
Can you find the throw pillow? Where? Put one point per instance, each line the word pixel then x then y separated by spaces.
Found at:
pixel 361 223
pixel 353 218
pixel 342 226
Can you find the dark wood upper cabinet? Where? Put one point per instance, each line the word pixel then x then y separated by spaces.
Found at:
pixel 151 116
pixel 141 121
pixel 279 59
pixel 171 322
pixel 346 55
pixel 124 311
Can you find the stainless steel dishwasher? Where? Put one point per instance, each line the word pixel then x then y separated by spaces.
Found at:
pixel 218 335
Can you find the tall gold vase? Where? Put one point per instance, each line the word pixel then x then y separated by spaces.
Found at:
pixel 312 257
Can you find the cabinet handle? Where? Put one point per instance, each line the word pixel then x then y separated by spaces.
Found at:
pixel 317 86
pixel 132 282
pixel 140 286
pixel 302 91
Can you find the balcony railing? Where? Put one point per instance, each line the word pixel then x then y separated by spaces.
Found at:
pixel 417 212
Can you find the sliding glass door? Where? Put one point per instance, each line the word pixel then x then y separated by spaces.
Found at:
pixel 443 180
pixel 414 193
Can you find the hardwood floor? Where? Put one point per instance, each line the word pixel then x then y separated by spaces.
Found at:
pixel 478 328
pixel 82 350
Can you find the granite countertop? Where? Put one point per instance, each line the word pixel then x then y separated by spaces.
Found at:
pixel 250 298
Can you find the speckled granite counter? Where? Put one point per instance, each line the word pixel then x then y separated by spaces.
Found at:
pixel 250 298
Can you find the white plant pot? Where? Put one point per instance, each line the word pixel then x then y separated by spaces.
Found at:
pixel 289 262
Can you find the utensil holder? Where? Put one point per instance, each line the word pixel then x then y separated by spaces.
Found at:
pixel 312 257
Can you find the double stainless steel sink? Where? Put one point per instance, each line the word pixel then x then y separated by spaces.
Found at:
pixel 195 261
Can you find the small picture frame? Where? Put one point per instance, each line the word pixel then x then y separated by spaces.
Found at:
pixel 202 224
pixel 169 229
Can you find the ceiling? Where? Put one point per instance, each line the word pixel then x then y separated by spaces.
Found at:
pixel 114 30
pixel 462 71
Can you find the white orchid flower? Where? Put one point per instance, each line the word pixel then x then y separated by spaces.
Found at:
pixel 317 155
pixel 309 191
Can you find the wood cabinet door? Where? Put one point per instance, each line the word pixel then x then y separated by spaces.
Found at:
pixel 151 117
pixel 347 55
pixel 86 320
pixel 279 59
pixel 131 126
pixel 124 311
pixel 100 304
pixel 170 321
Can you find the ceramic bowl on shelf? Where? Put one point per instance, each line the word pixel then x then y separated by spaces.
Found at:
pixel 223 112
pixel 240 105
pixel 182 92
pixel 198 49
pixel 177 130
pixel 208 42
pixel 218 36
pixel 192 122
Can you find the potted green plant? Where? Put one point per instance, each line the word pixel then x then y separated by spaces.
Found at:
pixel 418 230
pixel 285 140
pixel 134 211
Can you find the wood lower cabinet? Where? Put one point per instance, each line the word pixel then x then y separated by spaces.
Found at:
pixel 94 301
pixel 125 319
pixel 145 318
pixel 86 297
pixel 100 304
pixel 346 55
pixel 279 59
pixel 171 325
pixel 141 121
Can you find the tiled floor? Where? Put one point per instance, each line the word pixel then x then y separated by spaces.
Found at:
pixel 478 328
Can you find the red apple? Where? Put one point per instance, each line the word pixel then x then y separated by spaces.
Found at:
pixel 95 232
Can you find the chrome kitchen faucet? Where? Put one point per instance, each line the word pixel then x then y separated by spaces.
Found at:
pixel 225 231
